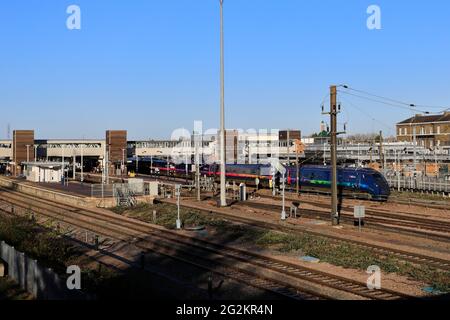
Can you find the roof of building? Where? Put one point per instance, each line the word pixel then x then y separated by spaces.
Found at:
pixel 419 118
pixel 47 164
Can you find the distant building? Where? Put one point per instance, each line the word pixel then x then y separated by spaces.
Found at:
pixel 430 130
pixel 116 149
pixel 22 149
pixel 323 127
pixel 321 138
pixel 49 172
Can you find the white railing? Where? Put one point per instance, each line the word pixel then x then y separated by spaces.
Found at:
pixel 419 183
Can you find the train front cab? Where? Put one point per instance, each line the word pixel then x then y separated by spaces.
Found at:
pixel 374 185
pixel 380 187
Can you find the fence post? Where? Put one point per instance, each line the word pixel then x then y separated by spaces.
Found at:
pixel 21 270
pixel 12 263
pixel 30 276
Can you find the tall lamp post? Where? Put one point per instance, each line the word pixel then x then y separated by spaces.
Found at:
pixel 62 164
pixel 151 161
pixel 223 200
pixel 123 162
pixel 28 153
pixel 137 163
pixel 82 163
pixel 107 157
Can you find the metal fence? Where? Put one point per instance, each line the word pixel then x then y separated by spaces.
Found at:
pixel 109 190
pixel 419 183
pixel 41 282
pixel 102 191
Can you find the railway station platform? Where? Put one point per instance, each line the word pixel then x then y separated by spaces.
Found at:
pixel 74 193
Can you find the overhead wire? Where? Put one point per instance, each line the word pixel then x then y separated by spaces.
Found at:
pixel 394 102
pixel 384 102
pixel 351 104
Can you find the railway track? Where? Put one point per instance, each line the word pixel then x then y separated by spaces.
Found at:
pixel 402 255
pixel 430 204
pixel 204 254
pixel 142 239
pixel 375 222
pixel 378 216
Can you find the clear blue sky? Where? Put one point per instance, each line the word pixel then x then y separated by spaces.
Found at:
pixel 151 66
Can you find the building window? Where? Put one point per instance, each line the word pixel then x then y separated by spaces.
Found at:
pixel 438 129
pixel 422 130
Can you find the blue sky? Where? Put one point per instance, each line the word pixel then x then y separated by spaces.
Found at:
pixel 152 66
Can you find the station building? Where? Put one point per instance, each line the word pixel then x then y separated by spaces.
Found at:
pixel 429 131
pixel 114 151
pixel 47 172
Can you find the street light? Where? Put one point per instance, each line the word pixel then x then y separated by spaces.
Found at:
pixel 178 193
pixel 82 178
pixel 151 161
pixel 123 162
pixel 107 157
pixel 396 170
pixel 62 164
pixel 283 212
pixel 223 200
pixel 137 163
pixel 137 158
pixel 28 153
pixel 436 168
pixel 359 160
pixel 186 164
pixel 74 162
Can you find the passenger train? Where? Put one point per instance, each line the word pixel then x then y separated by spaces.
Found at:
pixel 363 183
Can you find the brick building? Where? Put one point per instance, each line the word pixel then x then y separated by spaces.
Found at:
pixel 430 130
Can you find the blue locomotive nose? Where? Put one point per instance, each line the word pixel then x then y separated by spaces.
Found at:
pixel 381 187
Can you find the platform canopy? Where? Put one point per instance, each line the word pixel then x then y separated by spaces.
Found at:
pixel 56 165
